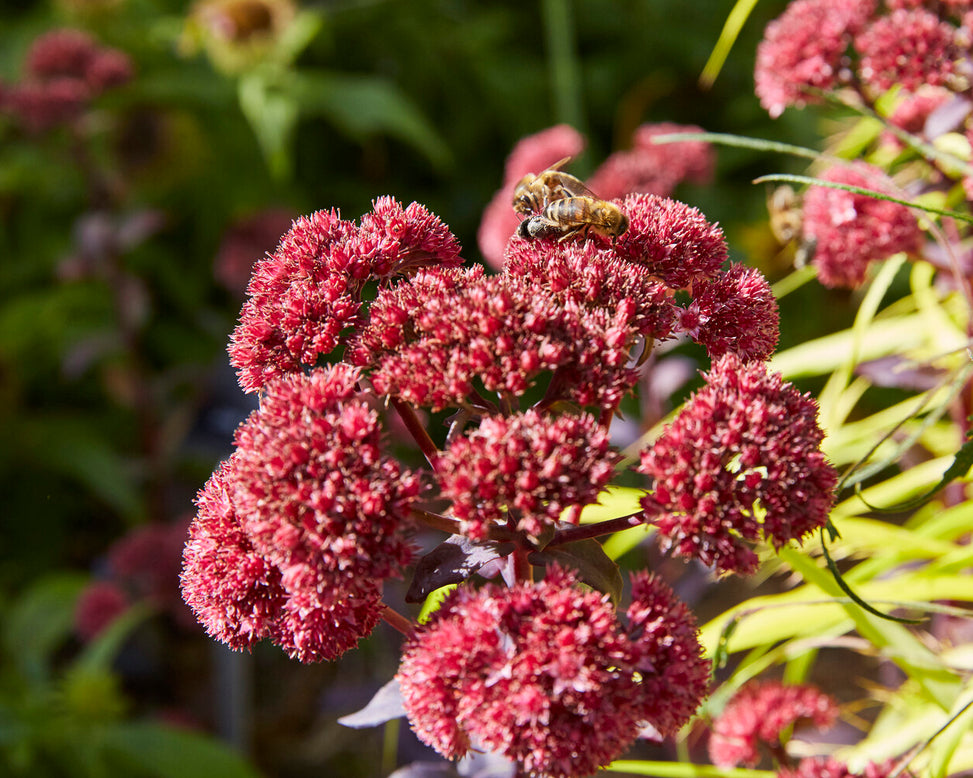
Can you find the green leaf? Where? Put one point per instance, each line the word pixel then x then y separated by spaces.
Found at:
pixel 684 770
pixel 365 106
pixel 39 621
pixel 174 753
pixel 268 101
pixel 731 31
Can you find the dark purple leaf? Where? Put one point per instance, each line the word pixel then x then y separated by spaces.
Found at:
pixel 452 561
pixel 384 706
pixel 589 560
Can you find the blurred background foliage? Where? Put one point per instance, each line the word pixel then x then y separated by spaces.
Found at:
pixel 125 241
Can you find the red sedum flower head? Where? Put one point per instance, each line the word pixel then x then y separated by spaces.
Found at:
pixel 315 513
pixel 60 53
pixel 747 437
pixel 851 230
pixel 234 591
pixel 309 291
pixel 821 767
pixel 910 48
pixel 432 340
pixel 759 714
pixel 524 471
pixel 546 675
pixel 672 240
pixel 735 313
pixel 804 47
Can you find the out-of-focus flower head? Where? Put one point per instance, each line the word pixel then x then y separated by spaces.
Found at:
pixel 805 48
pixel 741 460
pixel 525 471
pixel 64 70
pixel 911 48
pixel 244 242
pixel 821 767
pixel 303 296
pixel 237 34
pixel 654 168
pixel 146 561
pixel 532 154
pixel 433 340
pixel 545 674
pixel 759 714
pixel 851 230
pixel 98 606
pixel 735 313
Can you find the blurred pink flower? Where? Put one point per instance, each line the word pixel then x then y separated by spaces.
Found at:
pixel 98 606
pixel 654 168
pixel 246 241
pixel 850 231
pixel 908 48
pixel 759 714
pixel 804 48
pixel 545 674
pixel 821 767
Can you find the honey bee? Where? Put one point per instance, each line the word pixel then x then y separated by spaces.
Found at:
pixel 533 193
pixel 571 216
pixel 787 222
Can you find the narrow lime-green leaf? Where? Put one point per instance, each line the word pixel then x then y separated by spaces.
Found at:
pixel 793 281
pixel 809 181
pixel 731 30
pixel 737 141
pixel 947 741
pixel 823 355
pixel 433 602
pixel 613 502
pixel 869 535
pixel 858 138
pixel 683 770
pixel 620 543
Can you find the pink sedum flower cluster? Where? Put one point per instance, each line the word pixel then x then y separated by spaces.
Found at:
pixel 742 460
pixel 820 46
pixel 850 231
pixel 525 469
pixel 547 675
pixel 760 714
pixel 304 296
pixel 63 71
pixel 297 530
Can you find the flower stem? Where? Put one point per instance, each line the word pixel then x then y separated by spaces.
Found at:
pixel 396 620
pixel 411 420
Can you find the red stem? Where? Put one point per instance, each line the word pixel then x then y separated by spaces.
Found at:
pixel 586 531
pixel 396 620
pixel 411 420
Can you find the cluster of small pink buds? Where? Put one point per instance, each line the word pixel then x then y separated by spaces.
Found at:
pixel 298 529
pixel 64 70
